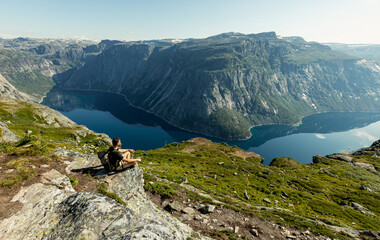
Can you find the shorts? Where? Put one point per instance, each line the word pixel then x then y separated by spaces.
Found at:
pixel 123 165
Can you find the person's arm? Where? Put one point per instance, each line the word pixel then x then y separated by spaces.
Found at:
pixel 126 150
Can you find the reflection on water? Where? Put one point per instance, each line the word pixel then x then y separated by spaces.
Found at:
pixel 318 134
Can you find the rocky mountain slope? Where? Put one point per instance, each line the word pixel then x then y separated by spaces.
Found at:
pixel 222 85
pixel 368 51
pixel 30 64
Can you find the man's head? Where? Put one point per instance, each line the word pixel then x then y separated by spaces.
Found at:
pixel 116 142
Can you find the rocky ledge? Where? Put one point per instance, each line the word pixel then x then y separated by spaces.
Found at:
pixel 52 209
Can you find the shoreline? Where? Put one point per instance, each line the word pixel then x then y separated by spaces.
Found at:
pixel 202 134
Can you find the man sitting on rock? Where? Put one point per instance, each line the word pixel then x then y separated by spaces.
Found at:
pixel 121 158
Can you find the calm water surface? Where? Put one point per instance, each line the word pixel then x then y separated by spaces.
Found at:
pixel 318 134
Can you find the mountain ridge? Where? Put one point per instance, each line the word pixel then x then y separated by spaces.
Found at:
pixel 225 84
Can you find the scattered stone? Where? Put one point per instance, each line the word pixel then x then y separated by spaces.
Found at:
pixel 235 173
pixel 344 158
pixel 254 232
pixel 9 171
pixel 101 143
pixel 45 165
pixel 267 200
pixel 198 218
pixel 173 206
pixel 27 146
pixel 214 176
pixel 186 217
pixel 66 162
pixel 362 209
pixel 363 187
pixel 246 194
pixel 214 220
pixel 207 209
pixel 220 163
pixel 276 202
pixel 28 132
pixel 236 229
pixel 284 194
pixel 364 165
pixel 81 133
pixel 189 211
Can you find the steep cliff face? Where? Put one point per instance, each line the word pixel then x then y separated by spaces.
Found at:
pixel 9 91
pixel 29 64
pixel 223 85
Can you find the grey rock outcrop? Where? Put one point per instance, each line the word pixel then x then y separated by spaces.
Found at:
pixel 55 211
pixel 7 135
pixel 9 91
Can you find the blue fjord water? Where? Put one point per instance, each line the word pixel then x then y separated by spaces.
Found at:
pixel 322 134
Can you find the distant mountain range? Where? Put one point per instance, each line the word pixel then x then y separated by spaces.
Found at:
pixel 368 51
pixel 218 86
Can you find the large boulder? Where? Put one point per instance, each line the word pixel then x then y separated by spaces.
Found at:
pixel 6 135
pixel 54 210
pixel 285 162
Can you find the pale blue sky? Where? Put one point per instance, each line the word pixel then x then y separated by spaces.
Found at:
pixel 349 21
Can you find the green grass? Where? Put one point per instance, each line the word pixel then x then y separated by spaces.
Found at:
pixel 44 138
pixel 21 172
pixel 321 191
pixel 73 181
pixel 103 189
pixel 162 189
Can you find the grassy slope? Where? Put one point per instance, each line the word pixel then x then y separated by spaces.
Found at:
pixel 322 191
pixel 21 116
pixel 34 82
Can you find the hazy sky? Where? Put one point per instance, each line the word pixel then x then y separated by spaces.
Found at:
pixel 348 21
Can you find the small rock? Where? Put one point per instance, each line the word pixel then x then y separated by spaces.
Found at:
pixel 214 176
pixel 340 157
pixel 188 210
pixel 66 162
pixel 363 187
pixel 186 217
pixel 207 209
pixel 9 171
pixel 267 200
pixel 28 132
pixel 204 221
pixel 254 232
pixel 284 194
pixel 45 165
pixel 220 163
pixel 214 220
pixel 246 194
pixel 236 229
pixel 198 218
pixel 235 173
pixel 101 143
pixel 276 202
pixel 173 206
